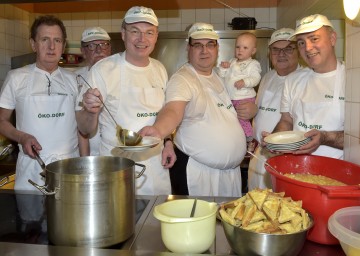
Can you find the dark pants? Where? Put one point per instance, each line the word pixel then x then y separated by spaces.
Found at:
pixel 178 178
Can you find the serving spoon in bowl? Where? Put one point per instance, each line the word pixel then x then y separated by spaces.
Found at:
pixel 125 136
pixel 263 161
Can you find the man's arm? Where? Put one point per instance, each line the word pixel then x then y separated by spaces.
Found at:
pixel 285 123
pixel 27 141
pixel 87 118
pixel 169 117
pixel 333 139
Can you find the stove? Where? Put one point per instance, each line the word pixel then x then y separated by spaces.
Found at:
pixel 23 218
pixel 23 231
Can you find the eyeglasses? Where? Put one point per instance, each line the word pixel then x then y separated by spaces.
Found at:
pixel 199 46
pixel 93 46
pixel 287 50
pixel 137 33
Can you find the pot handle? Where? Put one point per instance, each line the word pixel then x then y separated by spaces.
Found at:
pixel 141 172
pixel 43 189
pixel 4 181
pixel 335 192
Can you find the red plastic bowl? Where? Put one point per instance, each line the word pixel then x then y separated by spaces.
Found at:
pixel 320 201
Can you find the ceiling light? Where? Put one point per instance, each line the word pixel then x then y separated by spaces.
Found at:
pixel 352 10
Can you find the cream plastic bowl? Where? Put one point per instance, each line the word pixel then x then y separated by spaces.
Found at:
pixel 344 224
pixel 182 234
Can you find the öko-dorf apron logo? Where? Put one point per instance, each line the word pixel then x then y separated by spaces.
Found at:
pixel 53 115
pixel 147 114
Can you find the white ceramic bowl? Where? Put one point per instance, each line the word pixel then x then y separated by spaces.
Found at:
pixel 182 234
pixel 344 224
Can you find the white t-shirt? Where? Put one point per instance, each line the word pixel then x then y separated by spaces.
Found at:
pixel 268 101
pixel 106 76
pixel 209 132
pixel 316 101
pixel 95 137
pixel 16 82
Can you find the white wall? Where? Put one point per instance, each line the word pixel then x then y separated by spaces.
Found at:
pixel 15 24
pixel 352 114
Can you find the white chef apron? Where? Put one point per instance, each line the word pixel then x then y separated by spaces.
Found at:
pixel 203 180
pixel 328 114
pixel 51 120
pixel 266 119
pixel 258 177
pixel 133 104
pixel 95 137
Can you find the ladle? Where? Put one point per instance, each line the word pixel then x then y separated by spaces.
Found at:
pixel 193 208
pixel 127 137
pixel 263 161
pixel 40 161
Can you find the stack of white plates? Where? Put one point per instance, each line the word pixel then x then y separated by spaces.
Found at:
pixel 286 141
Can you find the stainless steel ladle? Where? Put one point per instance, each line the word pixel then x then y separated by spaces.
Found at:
pixel 263 161
pixel 125 136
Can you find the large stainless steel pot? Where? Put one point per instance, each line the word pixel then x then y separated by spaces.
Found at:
pixel 90 200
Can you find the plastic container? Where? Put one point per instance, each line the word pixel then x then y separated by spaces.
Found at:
pixel 320 201
pixel 184 234
pixel 344 224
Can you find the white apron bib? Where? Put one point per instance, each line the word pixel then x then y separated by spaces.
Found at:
pixel 203 180
pixel 138 107
pixel 51 120
pixel 328 114
pixel 265 120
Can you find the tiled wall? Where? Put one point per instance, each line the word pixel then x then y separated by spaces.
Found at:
pixel 348 37
pixel 14 25
pixel 352 114
pixel 14 36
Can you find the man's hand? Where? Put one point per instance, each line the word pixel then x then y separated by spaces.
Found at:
pixel 246 110
pixel 27 141
pixel 168 155
pixel 92 101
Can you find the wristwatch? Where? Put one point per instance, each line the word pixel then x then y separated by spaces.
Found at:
pixel 167 139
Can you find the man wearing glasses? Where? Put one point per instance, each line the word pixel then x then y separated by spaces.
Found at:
pixel 95 45
pixel 208 132
pixel 132 85
pixel 284 58
pixel 313 99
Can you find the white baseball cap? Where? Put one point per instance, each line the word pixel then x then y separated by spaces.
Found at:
pixel 94 33
pixel 282 34
pixel 202 31
pixel 141 14
pixel 311 23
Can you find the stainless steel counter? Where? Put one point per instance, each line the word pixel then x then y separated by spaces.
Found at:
pixel 147 240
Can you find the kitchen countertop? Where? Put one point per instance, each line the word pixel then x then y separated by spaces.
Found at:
pixel 147 240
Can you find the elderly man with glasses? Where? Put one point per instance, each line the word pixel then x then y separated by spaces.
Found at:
pixel 284 58
pixel 132 86
pixel 210 143
pixel 95 46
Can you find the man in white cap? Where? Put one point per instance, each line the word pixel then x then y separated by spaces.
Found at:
pixel 314 98
pixel 132 85
pixel 284 58
pixel 95 45
pixel 208 132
